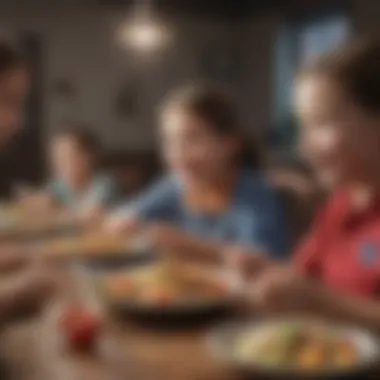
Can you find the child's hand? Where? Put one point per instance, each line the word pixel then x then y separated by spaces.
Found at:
pixel 281 288
pixel 14 258
pixel 28 292
pixel 164 236
pixel 122 225
pixel 247 263
pixel 92 218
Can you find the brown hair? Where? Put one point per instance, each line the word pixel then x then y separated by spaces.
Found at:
pixel 356 67
pixel 220 113
pixel 83 136
pixel 10 58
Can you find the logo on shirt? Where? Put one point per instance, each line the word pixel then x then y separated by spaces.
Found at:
pixel 368 253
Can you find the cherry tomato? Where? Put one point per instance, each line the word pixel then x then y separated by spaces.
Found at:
pixel 80 327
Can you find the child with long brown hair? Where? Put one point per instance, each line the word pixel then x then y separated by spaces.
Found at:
pixel 214 192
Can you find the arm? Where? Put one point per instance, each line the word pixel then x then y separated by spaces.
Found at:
pixel 355 309
pixel 13 259
pixel 283 289
pixel 259 226
pixel 170 239
pixel 250 264
pixel 158 203
pixel 38 201
pixel 26 293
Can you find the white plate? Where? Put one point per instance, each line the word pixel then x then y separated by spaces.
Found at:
pixel 221 342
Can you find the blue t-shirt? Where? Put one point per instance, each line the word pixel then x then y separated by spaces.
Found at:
pixel 254 217
pixel 101 191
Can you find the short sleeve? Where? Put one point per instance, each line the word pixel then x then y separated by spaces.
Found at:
pixel 159 202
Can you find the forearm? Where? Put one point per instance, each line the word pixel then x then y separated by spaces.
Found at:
pixel 12 260
pixel 355 309
pixel 196 248
pixel 175 242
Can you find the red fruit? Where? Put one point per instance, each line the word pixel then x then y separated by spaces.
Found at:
pixel 80 327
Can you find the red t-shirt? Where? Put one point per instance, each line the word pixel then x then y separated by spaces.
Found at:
pixel 343 248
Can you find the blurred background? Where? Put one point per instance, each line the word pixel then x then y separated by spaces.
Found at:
pixel 109 63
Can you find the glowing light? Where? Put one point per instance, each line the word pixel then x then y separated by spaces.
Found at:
pixel 144 34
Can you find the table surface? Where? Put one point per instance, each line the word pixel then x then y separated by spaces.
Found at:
pixel 33 351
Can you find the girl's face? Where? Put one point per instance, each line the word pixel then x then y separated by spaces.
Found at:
pixel 338 137
pixel 13 89
pixel 192 150
pixel 70 161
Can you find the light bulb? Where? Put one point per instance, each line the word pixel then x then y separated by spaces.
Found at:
pixel 144 34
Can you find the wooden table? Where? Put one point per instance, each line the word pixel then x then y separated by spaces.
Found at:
pixel 33 351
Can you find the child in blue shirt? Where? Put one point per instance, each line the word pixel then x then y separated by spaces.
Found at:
pixel 209 197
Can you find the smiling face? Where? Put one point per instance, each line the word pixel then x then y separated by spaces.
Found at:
pixel 338 137
pixel 193 150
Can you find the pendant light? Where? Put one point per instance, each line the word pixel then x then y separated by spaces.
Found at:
pixel 142 30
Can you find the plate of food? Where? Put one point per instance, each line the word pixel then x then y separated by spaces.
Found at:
pixel 18 223
pixel 296 348
pixel 99 251
pixel 166 289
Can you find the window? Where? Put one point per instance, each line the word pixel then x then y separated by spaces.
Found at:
pixel 322 35
pixel 297 42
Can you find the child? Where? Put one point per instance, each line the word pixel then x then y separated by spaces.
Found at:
pixel 337 269
pixel 209 197
pixel 76 183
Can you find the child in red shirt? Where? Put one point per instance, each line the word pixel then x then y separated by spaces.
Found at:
pixel 337 269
